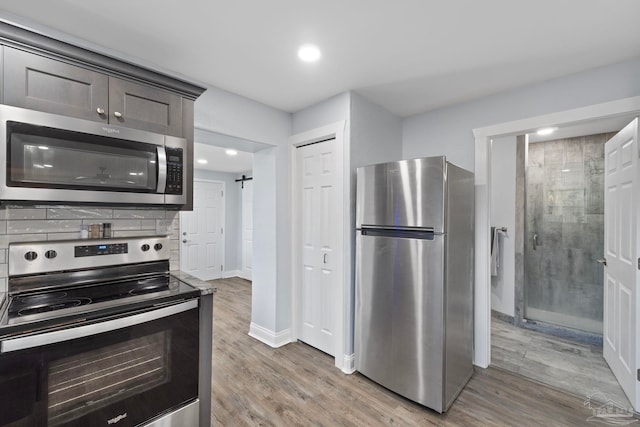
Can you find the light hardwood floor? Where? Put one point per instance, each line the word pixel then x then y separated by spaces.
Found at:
pixel 577 368
pixel 297 385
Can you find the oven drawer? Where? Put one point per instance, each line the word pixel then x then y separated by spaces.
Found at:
pixel 124 371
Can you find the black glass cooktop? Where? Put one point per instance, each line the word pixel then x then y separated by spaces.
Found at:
pixel 30 307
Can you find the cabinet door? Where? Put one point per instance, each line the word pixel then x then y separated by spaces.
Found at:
pixel 39 83
pixel 144 107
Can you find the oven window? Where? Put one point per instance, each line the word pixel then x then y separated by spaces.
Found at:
pixel 53 158
pixel 87 382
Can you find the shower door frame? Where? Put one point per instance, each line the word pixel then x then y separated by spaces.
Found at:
pixel 522 308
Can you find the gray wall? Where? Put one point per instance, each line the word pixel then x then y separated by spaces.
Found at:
pixel 376 137
pixel 321 114
pixel 232 216
pixel 503 214
pixel 448 130
pixel 224 112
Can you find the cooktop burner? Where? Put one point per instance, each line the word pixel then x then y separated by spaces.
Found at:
pixel 42 298
pixel 53 304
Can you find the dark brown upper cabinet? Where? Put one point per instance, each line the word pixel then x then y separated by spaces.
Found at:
pixel 39 83
pixel 144 107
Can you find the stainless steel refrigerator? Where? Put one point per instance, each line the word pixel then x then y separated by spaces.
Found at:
pixel 414 278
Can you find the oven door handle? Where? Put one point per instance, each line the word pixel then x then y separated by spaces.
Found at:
pixel 162 170
pixel 47 338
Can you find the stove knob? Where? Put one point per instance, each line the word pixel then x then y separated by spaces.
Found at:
pixel 30 256
pixel 50 254
pixel 145 247
pixel 157 246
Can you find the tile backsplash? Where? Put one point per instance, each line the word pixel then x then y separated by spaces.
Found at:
pixel 22 224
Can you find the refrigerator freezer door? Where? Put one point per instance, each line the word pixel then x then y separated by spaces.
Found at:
pixel 399 315
pixel 408 193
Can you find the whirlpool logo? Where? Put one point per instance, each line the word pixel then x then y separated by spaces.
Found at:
pixel 110 130
pixel 117 419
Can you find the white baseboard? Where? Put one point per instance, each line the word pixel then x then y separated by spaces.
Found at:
pixel 270 338
pixel 231 273
pixel 349 363
pixel 244 276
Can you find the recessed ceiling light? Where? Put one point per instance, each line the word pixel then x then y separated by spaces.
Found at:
pixel 231 152
pixel 203 161
pixel 546 131
pixel 309 53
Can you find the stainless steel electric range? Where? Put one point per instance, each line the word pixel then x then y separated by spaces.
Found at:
pixel 98 333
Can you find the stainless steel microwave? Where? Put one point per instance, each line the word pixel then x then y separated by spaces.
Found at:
pixel 47 158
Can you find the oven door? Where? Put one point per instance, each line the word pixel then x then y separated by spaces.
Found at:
pixel 61 159
pixel 123 371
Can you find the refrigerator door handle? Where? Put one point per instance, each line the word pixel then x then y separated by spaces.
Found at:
pixel 424 234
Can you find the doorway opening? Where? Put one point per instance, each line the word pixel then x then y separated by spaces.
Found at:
pixel 216 237
pixel 547 289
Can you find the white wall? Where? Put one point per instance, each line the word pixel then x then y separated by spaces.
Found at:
pixel 448 130
pixel 232 216
pixel 224 112
pixel 503 214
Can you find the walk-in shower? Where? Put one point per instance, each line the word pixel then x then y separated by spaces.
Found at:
pixel 564 232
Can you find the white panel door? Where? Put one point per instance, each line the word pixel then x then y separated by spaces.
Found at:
pixel 621 294
pixel 318 215
pixel 201 232
pixel 247 229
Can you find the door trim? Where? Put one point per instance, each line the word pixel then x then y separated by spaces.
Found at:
pixel 482 182
pixel 241 270
pixel 343 240
pixel 224 225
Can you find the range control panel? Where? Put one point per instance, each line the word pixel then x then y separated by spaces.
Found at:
pixel 49 256
pixel 102 249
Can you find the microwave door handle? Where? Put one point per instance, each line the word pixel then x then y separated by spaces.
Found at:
pixel 162 170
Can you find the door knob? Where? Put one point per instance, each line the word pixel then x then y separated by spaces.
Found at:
pixel 603 261
pixel 100 111
pixel 117 114
pixel 184 241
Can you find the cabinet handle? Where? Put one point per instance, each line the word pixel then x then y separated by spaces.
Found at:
pixel 117 114
pixel 184 241
pixel 100 111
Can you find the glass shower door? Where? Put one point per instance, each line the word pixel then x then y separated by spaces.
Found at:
pixel 565 232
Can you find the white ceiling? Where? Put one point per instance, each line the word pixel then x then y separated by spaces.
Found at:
pixel 409 56
pixel 219 161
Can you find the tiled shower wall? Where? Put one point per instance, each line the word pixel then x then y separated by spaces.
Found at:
pixel 22 224
pixel 565 209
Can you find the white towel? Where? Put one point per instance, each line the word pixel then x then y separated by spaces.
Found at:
pixel 495 251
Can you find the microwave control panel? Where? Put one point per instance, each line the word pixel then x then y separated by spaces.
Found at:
pixel 174 170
